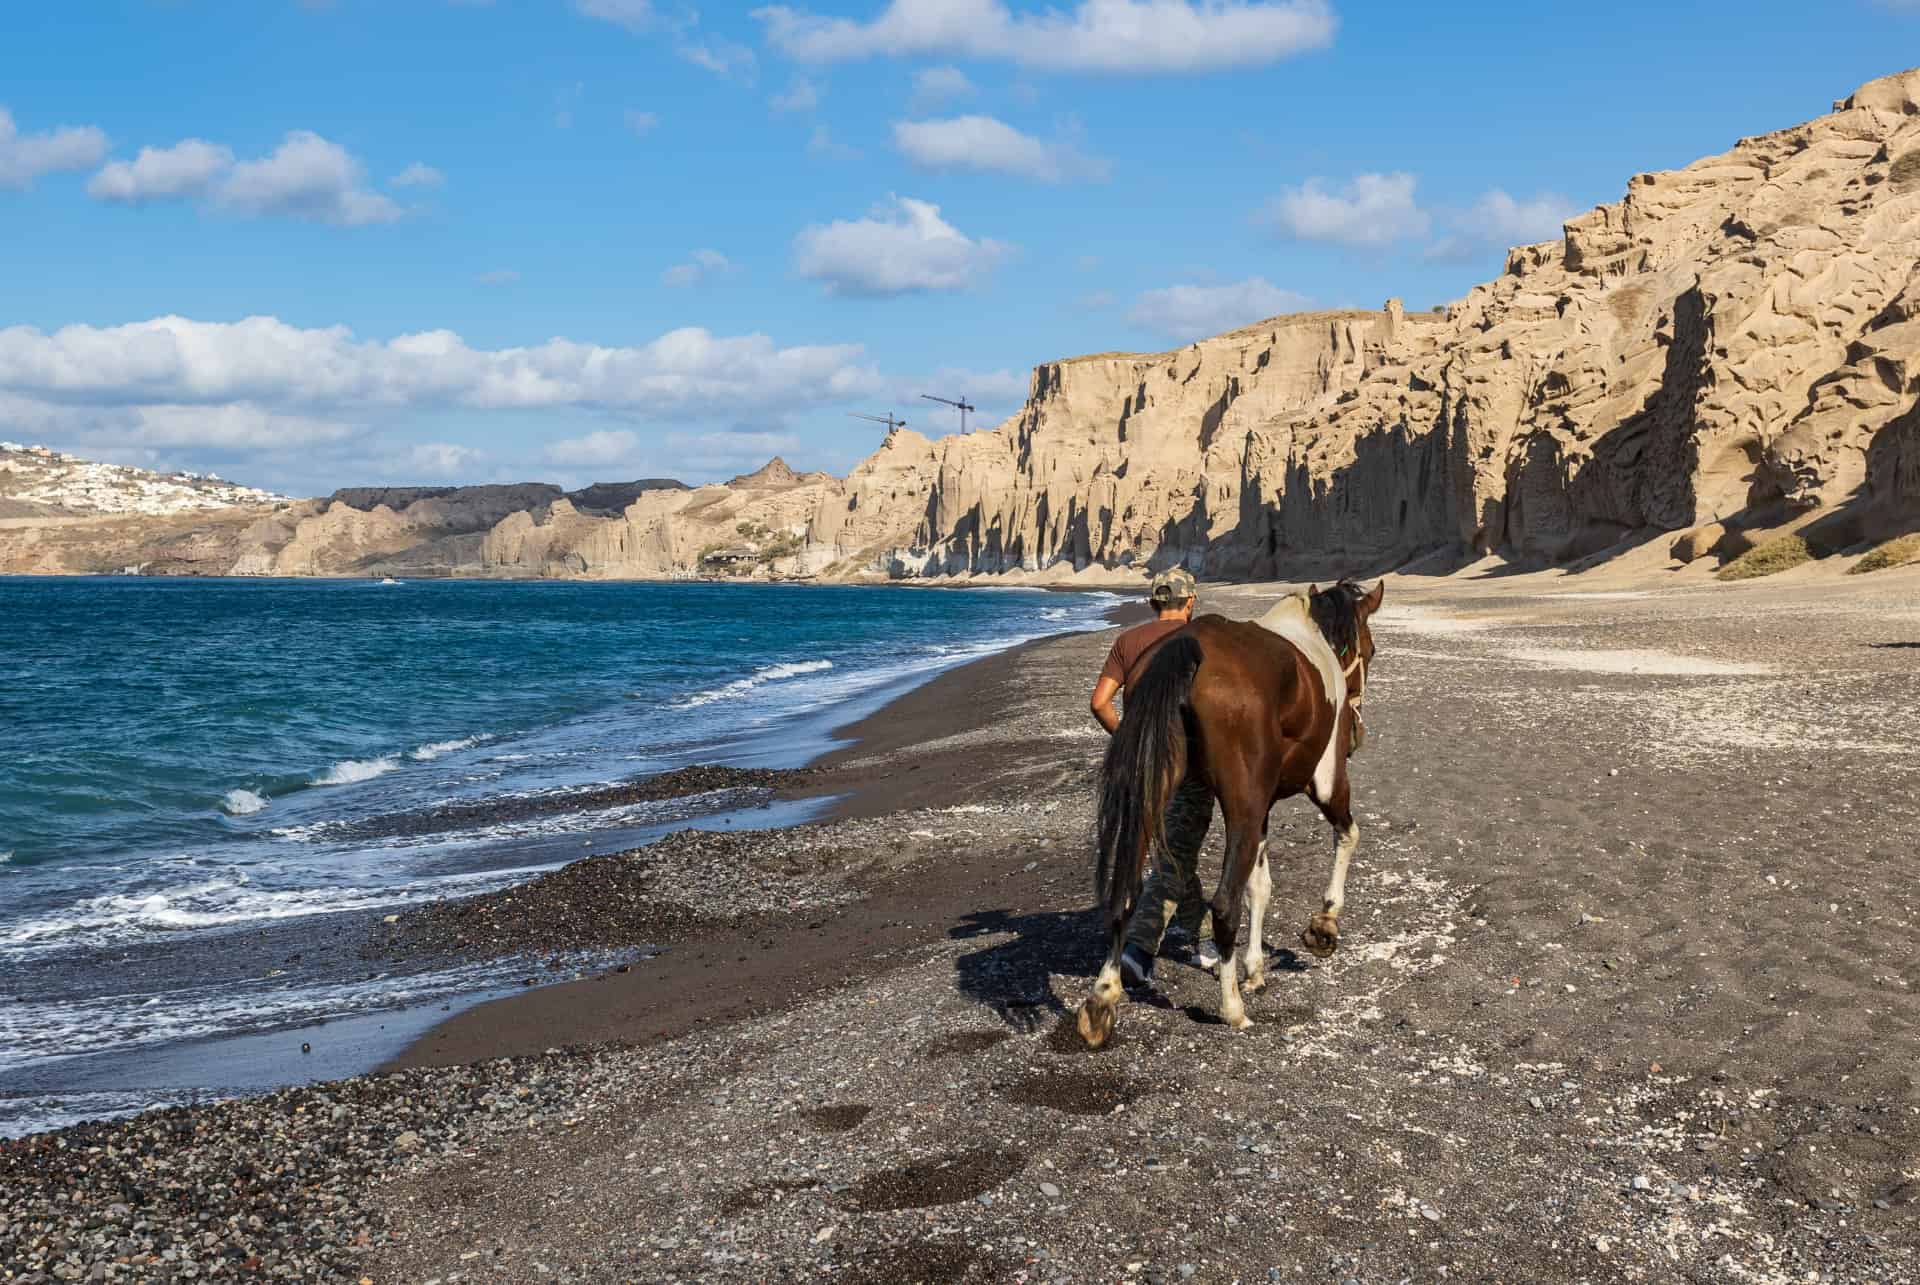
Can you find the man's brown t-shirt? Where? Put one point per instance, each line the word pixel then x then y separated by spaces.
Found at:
pixel 1133 649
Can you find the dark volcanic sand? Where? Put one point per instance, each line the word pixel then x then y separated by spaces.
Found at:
pixel 1625 993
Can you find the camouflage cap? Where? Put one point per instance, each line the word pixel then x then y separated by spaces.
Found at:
pixel 1175 584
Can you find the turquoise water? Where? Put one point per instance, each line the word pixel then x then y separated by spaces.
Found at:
pixel 181 760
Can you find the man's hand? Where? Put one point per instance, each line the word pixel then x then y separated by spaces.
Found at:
pixel 1102 703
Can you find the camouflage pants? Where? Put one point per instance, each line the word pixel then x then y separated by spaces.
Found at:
pixel 1173 885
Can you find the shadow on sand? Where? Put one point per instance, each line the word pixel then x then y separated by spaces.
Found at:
pixel 1015 978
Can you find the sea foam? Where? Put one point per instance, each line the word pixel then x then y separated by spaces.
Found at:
pixel 239 803
pixel 434 749
pixel 758 678
pixel 347 771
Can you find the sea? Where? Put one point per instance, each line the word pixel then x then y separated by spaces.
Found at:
pixel 188 768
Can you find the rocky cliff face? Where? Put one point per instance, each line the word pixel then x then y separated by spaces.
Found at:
pixel 1737 341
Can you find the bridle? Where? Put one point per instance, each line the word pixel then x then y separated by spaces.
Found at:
pixel 1356 694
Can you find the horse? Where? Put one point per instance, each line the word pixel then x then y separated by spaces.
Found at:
pixel 1260 710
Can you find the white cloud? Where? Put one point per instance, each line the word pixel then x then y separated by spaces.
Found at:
pixel 307 177
pixel 1095 36
pixel 605 447
pixel 722 57
pixel 1497 221
pixel 801 96
pixel 1522 222
pixel 642 123
pixel 986 144
pixel 240 425
pixel 186 169
pixel 498 277
pixel 822 143
pixel 634 15
pixel 25 157
pixel 727 451
pixel 1196 312
pixel 1371 211
pixel 265 362
pixel 903 247
pixel 419 175
pixel 683 453
pixel 702 265
pixel 933 86
pixel 437 459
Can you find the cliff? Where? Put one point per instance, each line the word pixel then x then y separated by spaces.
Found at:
pixel 1732 346
pixel 1733 341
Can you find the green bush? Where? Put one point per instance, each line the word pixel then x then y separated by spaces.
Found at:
pixel 1768 559
pixel 1894 553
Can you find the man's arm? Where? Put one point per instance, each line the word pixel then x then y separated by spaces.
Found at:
pixel 1102 703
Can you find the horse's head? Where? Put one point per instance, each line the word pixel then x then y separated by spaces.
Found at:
pixel 1342 611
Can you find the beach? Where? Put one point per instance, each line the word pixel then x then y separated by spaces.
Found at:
pixel 1625 992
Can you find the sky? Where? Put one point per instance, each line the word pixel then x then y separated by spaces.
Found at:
pixel 317 243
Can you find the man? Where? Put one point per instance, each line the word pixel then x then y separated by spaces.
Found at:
pixel 1173 885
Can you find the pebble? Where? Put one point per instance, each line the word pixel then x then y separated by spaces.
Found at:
pixel 1050 1191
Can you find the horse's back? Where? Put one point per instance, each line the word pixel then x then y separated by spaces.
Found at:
pixel 1242 653
pixel 1256 694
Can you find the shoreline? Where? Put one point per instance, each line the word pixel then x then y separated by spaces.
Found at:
pixel 359 1042
pixel 697 983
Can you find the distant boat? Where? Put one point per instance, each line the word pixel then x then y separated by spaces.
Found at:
pixel 389 580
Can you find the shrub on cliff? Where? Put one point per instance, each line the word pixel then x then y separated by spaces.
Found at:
pixel 1894 553
pixel 1767 559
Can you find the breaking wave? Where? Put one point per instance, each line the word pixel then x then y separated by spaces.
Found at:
pixel 434 749
pixel 228 898
pixel 758 678
pixel 348 771
pixel 239 803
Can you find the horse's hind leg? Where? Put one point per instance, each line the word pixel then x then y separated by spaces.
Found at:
pixel 1262 885
pixel 1098 1013
pixel 1322 935
pixel 1243 843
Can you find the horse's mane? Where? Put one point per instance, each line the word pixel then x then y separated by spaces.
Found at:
pixel 1336 610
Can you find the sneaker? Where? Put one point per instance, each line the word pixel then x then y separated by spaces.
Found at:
pixel 1136 966
pixel 1207 956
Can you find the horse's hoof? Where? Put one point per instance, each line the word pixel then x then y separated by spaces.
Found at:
pixel 1254 985
pixel 1241 1023
pixel 1321 935
pixel 1095 1024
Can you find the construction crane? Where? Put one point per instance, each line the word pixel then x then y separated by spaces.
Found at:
pixel 886 419
pixel 960 405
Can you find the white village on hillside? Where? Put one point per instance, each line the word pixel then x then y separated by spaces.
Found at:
pixel 40 475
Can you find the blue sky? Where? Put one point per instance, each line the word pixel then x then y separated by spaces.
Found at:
pixel 322 243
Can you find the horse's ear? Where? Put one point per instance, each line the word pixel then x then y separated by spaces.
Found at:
pixel 1313 591
pixel 1372 601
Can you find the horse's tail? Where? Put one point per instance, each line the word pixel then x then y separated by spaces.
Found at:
pixel 1145 760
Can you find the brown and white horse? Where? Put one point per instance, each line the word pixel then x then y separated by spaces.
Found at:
pixel 1260 710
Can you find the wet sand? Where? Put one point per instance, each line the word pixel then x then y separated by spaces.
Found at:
pixel 1625 993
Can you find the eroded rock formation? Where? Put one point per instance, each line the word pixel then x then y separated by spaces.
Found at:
pixel 1734 340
